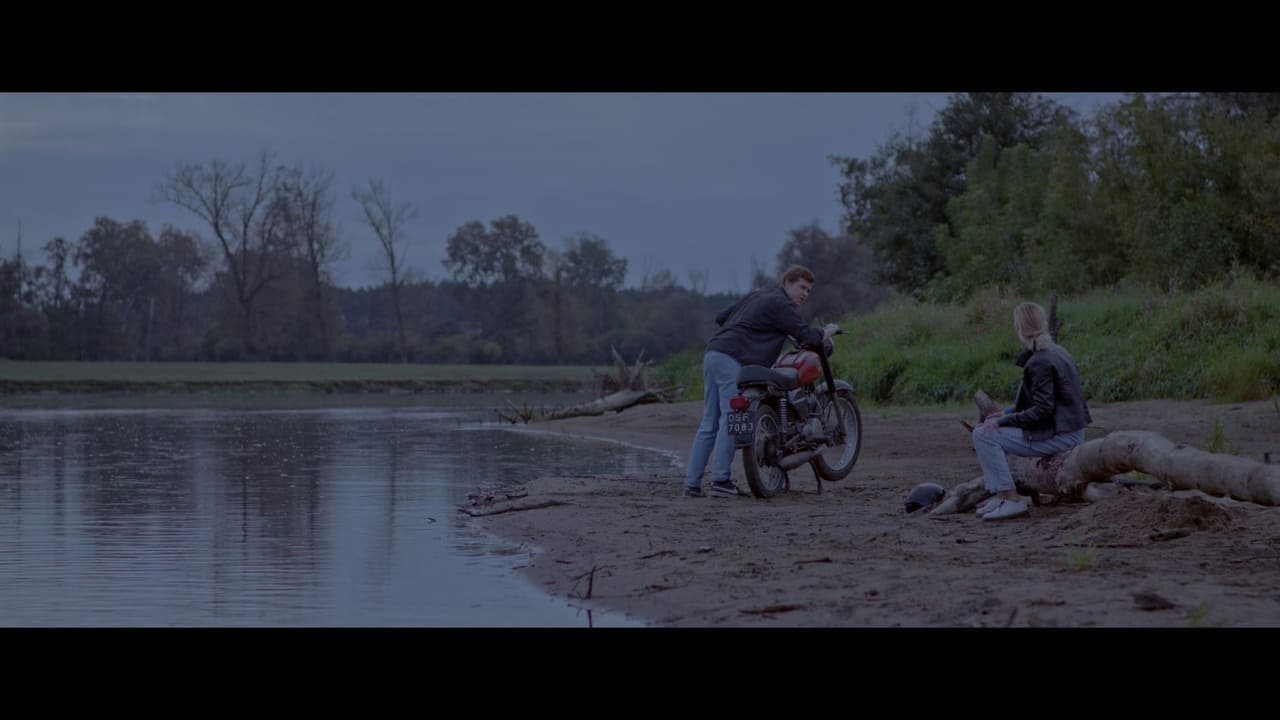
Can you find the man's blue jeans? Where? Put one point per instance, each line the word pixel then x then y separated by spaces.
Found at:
pixel 720 383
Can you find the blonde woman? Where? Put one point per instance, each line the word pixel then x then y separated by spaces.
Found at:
pixel 1049 414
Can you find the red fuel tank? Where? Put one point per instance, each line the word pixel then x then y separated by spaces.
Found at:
pixel 805 362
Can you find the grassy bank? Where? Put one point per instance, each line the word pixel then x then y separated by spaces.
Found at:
pixel 1219 343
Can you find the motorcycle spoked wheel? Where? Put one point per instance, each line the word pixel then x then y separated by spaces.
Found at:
pixel 835 462
pixel 765 479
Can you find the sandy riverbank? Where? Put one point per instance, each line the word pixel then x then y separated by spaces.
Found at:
pixel 851 556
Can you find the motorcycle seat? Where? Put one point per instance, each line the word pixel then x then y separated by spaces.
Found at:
pixel 784 378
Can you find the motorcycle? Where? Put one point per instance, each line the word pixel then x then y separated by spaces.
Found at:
pixel 791 414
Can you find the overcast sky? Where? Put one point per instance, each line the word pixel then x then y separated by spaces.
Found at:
pixel 681 181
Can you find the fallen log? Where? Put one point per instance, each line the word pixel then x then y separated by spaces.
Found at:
pixel 1183 467
pixel 1073 475
pixel 617 401
pixel 630 387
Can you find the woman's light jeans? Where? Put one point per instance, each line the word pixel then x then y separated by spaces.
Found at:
pixel 993 444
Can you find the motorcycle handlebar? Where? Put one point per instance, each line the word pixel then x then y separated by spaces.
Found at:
pixel 803 346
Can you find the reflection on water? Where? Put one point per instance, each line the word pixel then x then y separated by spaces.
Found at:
pixel 334 517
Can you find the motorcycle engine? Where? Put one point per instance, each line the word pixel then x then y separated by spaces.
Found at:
pixel 812 430
pixel 801 403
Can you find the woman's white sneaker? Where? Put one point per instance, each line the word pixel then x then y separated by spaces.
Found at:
pixel 989 505
pixel 1007 509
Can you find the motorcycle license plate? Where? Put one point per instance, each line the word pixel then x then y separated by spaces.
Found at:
pixel 742 426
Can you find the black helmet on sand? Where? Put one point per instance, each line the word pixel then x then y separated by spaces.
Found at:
pixel 925 496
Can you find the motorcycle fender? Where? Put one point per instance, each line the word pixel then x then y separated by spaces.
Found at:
pixel 840 385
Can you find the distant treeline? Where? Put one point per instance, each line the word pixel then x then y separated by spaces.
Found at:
pixel 1003 190
pixel 138 297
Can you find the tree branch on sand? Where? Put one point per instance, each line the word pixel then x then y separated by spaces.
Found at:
pixel 510 508
pixel 617 402
pixel 772 609
pixel 489 502
pixel 590 575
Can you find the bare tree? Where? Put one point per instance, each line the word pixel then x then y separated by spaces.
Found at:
pixel 558 301
pixel 760 277
pixel 387 220
pixel 245 211
pixel 310 204
pixel 184 260
pixel 698 280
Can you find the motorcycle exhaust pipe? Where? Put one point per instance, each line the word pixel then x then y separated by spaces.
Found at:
pixel 795 460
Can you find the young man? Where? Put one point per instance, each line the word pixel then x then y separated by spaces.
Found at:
pixel 751 332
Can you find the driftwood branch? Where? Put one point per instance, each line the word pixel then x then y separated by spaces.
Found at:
pixel 524 414
pixel 626 377
pixel 771 609
pixel 657 554
pixel 617 402
pixel 490 496
pixel 638 380
pixel 1181 466
pixel 986 406
pixel 590 575
pixel 657 588
pixel 962 498
pixel 629 387
pixel 477 512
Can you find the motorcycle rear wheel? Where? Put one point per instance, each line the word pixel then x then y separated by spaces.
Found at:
pixel 765 479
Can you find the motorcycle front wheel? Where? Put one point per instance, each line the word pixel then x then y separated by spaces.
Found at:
pixel 764 478
pixel 835 461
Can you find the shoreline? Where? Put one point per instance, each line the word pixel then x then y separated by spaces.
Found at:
pixel 676 458
pixel 284 396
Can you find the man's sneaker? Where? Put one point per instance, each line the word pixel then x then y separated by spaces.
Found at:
pixel 1008 509
pixel 726 488
pixel 693 492
pixel 989 505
